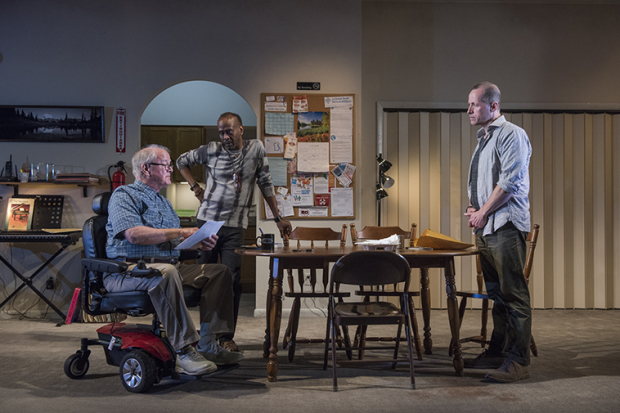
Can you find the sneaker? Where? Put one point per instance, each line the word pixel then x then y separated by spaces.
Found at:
pixel 485 360
pixel 509 371
pixel 189 361
pixel 219 355
pixel 230 346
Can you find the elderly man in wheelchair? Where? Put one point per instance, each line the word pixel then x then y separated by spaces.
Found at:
pixel 142 223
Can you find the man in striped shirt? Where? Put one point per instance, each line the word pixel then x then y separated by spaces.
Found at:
pixel 233 167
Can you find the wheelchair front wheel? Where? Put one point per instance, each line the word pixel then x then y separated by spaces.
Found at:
pixel 76 366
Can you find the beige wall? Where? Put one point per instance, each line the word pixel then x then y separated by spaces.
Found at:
pixel 123 53
pixel 541 56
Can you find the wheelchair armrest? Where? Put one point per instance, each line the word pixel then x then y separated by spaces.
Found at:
pixel 103 265
pixel 187 255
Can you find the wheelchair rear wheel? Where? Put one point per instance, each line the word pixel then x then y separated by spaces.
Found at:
pixel 137 370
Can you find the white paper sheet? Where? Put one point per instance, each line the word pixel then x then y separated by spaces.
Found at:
pixel 313 157
pixel 313 212
pixel 285 207
pixel 339 102
pixel 277 169
pixel 274 144
pixel 321 184
pixel 342 202
pixel 193 241
pixel 341 135
pixel 291 145
pixel 275 106
pixel 301 191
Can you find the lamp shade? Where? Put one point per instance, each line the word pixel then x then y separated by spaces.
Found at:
pixel 381 193
pixel 387 182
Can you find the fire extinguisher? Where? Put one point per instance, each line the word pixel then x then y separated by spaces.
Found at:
pixel 118 178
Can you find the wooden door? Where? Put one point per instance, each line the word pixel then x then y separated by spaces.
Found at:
pixel 179 139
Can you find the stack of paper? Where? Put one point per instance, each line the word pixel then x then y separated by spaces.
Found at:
pixel 437 241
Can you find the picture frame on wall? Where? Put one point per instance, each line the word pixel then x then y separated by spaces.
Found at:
pixel 19 214
pixel 22 123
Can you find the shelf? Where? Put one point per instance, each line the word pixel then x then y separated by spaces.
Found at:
pixel 102 183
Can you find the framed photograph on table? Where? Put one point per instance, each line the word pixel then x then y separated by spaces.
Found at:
pixel 52 124
pixel 19 214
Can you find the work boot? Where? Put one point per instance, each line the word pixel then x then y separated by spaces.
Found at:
pixel 219 355
pixel 190 362
pixel 509 371
pixel 485 360
pixel 231 346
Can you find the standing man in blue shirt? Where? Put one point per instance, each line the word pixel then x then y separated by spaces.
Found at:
pixel 142 223
pixel 498 188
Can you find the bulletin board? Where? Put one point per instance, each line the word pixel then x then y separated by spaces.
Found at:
pixel 310 144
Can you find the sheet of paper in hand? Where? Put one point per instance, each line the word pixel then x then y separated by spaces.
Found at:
pixel 193 242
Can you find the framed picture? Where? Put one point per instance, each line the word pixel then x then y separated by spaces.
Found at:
pixel 52 124
pixel 19 214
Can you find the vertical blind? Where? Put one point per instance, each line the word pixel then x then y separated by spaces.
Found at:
pixel 572 197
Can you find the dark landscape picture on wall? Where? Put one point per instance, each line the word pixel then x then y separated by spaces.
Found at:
pixel 51 124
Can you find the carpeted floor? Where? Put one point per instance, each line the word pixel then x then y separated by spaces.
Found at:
pixel 577 371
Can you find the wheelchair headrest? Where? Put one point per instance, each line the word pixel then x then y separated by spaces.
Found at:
pixel 100 203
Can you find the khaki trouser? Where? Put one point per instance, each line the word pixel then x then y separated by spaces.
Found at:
pixel 166 292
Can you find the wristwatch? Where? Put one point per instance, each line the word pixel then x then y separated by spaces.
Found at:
pixel 194 186
pixel 277 219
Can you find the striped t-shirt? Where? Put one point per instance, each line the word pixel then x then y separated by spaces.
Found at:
pixel 221 200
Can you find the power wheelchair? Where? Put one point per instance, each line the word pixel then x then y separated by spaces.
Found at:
pixel 142 352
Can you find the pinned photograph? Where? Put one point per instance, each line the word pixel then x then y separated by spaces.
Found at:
pixel 313 127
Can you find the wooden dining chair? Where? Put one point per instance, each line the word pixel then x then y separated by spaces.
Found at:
pixel 310 238
pixel 375 232
pixel 532 238
pixel 370 269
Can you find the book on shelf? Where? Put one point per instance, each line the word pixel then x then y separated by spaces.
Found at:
pixel 83 178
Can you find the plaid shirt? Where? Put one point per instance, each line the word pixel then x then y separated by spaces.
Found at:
pixel 221 200
pixel 138 205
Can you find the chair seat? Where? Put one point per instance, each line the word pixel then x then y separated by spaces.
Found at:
pixel 128 302
pixel 473 294
pixel 372 312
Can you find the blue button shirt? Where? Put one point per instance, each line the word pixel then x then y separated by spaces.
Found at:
pixel 504 162
pixel 138 205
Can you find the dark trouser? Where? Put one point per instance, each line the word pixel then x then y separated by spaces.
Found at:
pixel 502 256
pixel 229 239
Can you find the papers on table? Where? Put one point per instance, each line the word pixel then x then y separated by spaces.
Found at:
pixel 391 240
pixel 204 232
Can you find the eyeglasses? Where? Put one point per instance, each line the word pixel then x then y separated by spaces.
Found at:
pixel 165 165
pixel 237 182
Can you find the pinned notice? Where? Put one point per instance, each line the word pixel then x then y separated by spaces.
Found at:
pixel 339 102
